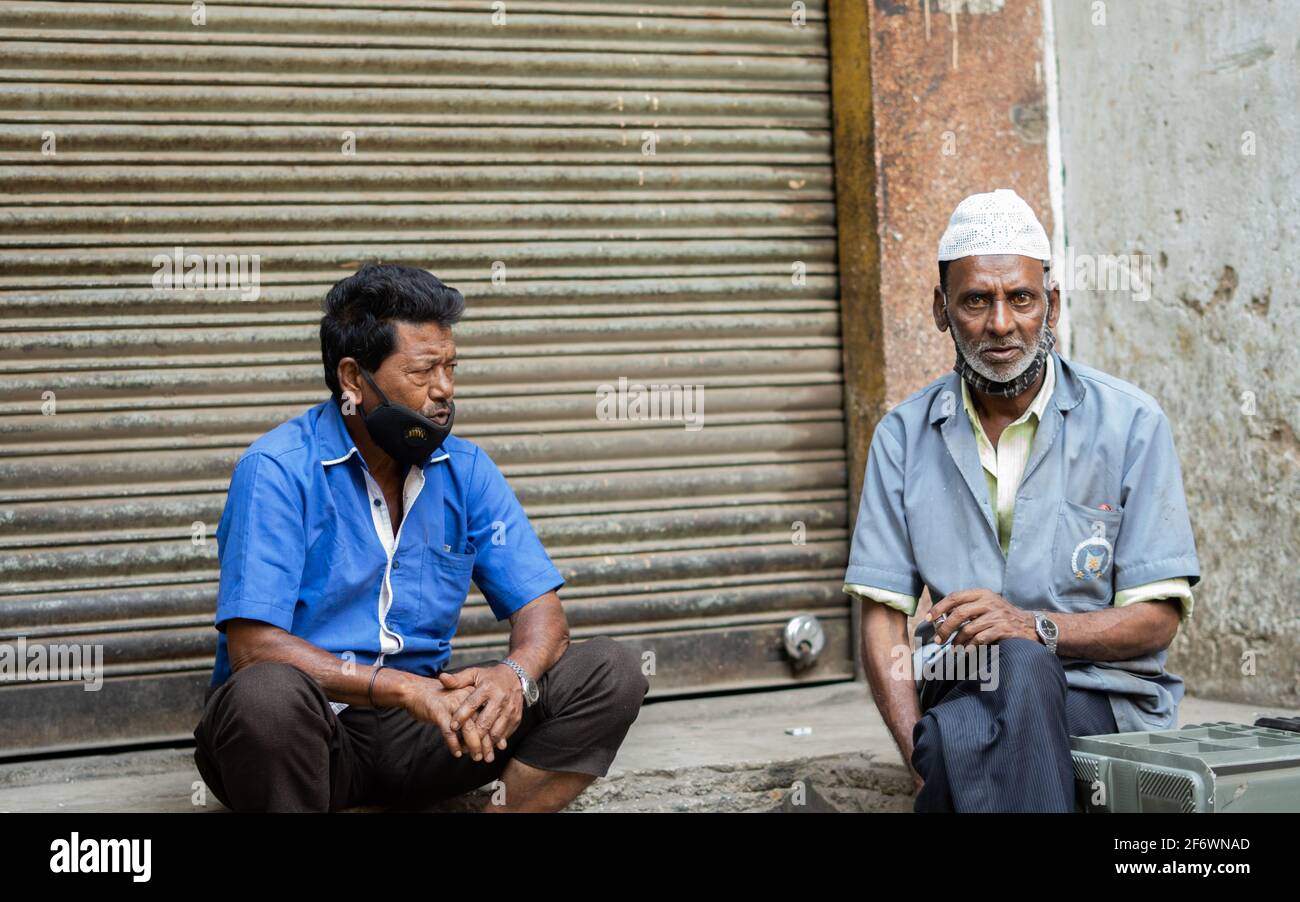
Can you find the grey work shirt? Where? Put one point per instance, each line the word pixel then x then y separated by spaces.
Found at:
pixel 926 521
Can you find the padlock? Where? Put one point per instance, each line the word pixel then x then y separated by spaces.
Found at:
pixel 804 640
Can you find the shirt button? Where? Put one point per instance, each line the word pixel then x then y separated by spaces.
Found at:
pixel 397 565
pixel 378 502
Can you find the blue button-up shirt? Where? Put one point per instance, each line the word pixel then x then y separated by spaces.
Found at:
pixel 306 544
pixel 1100 509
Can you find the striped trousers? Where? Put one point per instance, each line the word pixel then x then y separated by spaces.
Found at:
pixel 1006 748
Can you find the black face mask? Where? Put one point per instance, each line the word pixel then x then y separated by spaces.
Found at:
pixel 405 435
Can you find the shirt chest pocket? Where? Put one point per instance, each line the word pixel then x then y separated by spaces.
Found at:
pixel 1083 554
pixel 447 575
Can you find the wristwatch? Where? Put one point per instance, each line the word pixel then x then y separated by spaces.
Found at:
pixel 531 692
pixel 1046 629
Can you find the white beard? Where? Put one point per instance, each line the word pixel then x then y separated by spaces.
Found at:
pixel 1007 372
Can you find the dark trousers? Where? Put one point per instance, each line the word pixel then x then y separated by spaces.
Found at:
pixel 269 740
pixel 1005 749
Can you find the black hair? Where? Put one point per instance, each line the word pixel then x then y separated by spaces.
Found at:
pixel 943 275
pixel 361 309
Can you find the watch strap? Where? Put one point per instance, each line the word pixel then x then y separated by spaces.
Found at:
pixel 1039 617
pixel 524 678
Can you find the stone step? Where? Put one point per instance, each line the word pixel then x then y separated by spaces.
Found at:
pixel 795 750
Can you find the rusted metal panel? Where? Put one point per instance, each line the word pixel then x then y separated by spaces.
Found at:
pixel 126 710
pixel 512 161
pixel 709 659
pixel 164 707
pixel 427 28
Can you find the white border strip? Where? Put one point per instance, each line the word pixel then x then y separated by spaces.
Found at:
pixel 1055 173
pixel 339 460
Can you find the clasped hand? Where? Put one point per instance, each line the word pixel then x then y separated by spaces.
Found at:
pixel 476 709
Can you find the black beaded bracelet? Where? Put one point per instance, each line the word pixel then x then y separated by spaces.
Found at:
pixel 371 691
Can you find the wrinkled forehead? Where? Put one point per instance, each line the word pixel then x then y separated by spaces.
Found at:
pixel 993 270
pixel 423 341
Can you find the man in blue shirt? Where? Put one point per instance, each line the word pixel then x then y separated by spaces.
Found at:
pixel 1041 504
pixel 347 545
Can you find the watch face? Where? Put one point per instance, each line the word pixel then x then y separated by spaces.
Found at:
pixel 531 692
pixel 1047 627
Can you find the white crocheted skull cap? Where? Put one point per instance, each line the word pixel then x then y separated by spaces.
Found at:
pixel 998 222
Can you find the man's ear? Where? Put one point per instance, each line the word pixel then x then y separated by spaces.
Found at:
pixel 940 314
pixel 349 376
pixel 1054 312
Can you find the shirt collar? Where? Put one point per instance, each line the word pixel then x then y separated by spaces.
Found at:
pixel 332 437
pixel 1070 388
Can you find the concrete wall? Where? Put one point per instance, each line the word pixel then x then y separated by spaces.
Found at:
pixel 928 109
pixel 947 126
pixel 1159 108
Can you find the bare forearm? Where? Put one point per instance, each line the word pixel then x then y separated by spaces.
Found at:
pixel 884 639
pixel 251 642
pixel 1117 634
pixel 539 635
pixel 982 617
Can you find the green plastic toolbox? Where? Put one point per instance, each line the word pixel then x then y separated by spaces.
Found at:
pixel 1208 767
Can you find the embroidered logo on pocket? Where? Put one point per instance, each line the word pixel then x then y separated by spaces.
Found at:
pixel 1091 557
pixel 1083 571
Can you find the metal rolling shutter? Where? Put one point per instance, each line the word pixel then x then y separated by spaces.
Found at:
pixel 476 143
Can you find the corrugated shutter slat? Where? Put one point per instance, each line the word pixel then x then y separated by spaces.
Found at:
pixel 520 145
